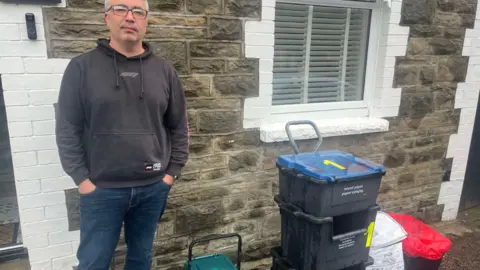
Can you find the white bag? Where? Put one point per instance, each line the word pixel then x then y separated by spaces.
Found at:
pixel 386 249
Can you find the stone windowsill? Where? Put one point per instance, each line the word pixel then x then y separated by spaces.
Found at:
pixel 328 128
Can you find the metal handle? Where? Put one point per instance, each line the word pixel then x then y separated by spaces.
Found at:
pixel 297 211
pixel 349 234
pixel 312 219
pixel 303 122
pixel 209 238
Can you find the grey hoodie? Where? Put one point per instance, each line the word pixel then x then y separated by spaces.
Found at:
pixel 121 121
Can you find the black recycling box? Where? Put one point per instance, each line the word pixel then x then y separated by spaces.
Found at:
pixel 329 183
pixel 279 262
pixel 362 266
pixel 326 243
pixel 419 263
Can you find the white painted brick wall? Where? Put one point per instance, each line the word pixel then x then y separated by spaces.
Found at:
pixel 11 65
pixel 45 226
pixel 24 159
pixel 56 184
pixel 44 127
pixel 9 32
pixel 64 262
pixel 259 43
pixel 16 98
pixel 56 211
pixel 32 215
pixel 22 144
pixel 37 241
pixel 30 113
pixel 43 265
pixel 48 157
pixel 43 97
pixel 28 188
pixel 38 172
pixel 20 129
pixel 52 251
pixel 15 82
pixel 63 237
pixel 41 200
pixel 75 245
pixel 466 99
pixel 23 48
pixel 31 83
pixel 45 66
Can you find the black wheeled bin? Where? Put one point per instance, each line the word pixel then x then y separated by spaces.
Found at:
pixel 327 183
pixel 279 262
pixel 326 243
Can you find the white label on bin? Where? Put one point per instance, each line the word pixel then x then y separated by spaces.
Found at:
pixel 347 242
pixel 352 190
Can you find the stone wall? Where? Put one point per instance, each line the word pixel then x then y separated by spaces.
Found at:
pixel 466 99
pixel 223 188
pixel 230 178
pixel 415 148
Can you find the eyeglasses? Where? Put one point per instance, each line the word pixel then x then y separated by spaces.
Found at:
pixel 122 10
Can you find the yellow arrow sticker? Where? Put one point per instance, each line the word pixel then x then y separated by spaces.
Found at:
pixel 329 162
pixel 370 234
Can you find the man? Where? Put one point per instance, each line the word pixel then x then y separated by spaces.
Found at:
pixel 122 135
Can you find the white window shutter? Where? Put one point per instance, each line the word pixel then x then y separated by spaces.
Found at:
pixel 291 27
pixel 357 54
pixel 320 53
pixel 327 49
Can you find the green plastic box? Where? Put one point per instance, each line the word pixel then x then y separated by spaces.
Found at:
pixel 213 261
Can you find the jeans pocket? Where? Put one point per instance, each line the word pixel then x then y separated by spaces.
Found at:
pixel 167 185
pixel 93 192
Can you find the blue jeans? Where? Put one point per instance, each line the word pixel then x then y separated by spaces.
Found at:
pixel 102 213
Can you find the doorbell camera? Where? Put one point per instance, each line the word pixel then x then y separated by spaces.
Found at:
pixel 31 28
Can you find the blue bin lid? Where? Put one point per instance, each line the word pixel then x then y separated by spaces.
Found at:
pixel 330 165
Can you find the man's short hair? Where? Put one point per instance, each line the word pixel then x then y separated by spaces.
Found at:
pixel 107 5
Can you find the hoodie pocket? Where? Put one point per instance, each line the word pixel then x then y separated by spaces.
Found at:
pixel 125 157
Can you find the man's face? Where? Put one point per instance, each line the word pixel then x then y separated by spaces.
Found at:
pixel 125 25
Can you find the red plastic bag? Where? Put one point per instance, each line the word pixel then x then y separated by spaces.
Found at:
pixel 422 240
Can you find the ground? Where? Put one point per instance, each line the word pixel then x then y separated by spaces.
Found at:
pixel 465 235
pixel 15 265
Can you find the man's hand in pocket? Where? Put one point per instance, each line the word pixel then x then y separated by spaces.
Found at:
pixel 86 187
pixel 168 179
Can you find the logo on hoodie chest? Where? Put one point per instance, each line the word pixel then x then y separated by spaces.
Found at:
pixel 129 74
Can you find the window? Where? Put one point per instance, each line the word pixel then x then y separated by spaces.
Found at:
pixel 321 51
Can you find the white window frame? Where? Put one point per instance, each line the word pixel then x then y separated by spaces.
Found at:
pixel 387 40
pixel 347 108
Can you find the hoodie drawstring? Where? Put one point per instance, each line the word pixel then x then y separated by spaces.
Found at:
pixel 117 86
pixel 141 77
